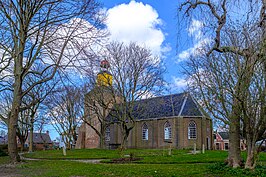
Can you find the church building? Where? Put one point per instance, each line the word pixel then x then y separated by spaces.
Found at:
pixel 175 120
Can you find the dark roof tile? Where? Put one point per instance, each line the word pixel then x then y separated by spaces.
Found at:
pixel 224 135
pixel 165 106
pixel 41 138
pixel 190 108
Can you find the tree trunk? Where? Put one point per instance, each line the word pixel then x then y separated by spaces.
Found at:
pixel 22 145
pixel 125 135
pixel 102 142
pixel 251 153
pixel 102 136
pixel 17 98
pixel 12 127
pixel 13 120
pixel 124 142
pixel 31 137
pixel 234 158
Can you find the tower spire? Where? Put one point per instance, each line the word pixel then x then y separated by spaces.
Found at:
pixel 104 77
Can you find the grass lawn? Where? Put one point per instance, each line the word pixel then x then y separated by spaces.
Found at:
pixel 68 168
pixel 153 163
pixel 149 155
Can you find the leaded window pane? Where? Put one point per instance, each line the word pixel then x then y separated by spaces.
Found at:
pixel 167 131
pixel 192 130
pixel 145 132
pixel 107 134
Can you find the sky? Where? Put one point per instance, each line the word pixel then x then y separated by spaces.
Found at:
pixel 155 24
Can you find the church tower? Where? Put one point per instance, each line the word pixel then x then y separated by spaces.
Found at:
pixel 98 103
pixel 104 77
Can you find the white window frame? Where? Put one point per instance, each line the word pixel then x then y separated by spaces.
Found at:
pixel 145 132
pixel 192 130
pixel 107 134
pixel 167 131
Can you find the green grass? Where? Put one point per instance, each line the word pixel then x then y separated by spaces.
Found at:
pixel 154 163
pixel 185 157
pixel 148 155
pixel 68 168
pixel 4 160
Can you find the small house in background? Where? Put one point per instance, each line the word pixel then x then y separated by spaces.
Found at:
pixel 41 141
pixel 221 141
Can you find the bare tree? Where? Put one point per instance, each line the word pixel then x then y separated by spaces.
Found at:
pixel 136 73
pixel 254 114
pixel 34 99
pixel 41 32
pixel 65 110
pixel 234 56
pixel 27 116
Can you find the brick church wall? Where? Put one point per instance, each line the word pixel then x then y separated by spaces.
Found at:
pixel 156 139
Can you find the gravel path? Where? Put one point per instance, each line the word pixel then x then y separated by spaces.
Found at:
pixel 93 161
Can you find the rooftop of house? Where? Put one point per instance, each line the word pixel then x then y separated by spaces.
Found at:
pixel 224 135
pixel 41 138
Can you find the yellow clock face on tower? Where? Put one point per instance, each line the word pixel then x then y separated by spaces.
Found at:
pixel 104 79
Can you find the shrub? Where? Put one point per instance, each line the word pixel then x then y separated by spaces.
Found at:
pixel 222 168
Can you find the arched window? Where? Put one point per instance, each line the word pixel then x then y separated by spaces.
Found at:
pixel 107 134
pixel 192 130
pixel 145 132
pixel 167 131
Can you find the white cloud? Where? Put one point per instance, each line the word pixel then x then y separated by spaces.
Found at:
pixel 196 50
pixel 180 83
pixel 200 41
pixel 195 29
pixel 137 22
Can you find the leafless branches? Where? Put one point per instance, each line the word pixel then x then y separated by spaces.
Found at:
pixel 64 108
pixel 41 34
pixel 230 79
pixel 136 73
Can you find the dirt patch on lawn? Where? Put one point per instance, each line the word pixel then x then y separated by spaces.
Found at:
pixel 9 170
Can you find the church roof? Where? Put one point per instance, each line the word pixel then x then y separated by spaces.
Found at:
pixel 174 105
pixel 181 104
